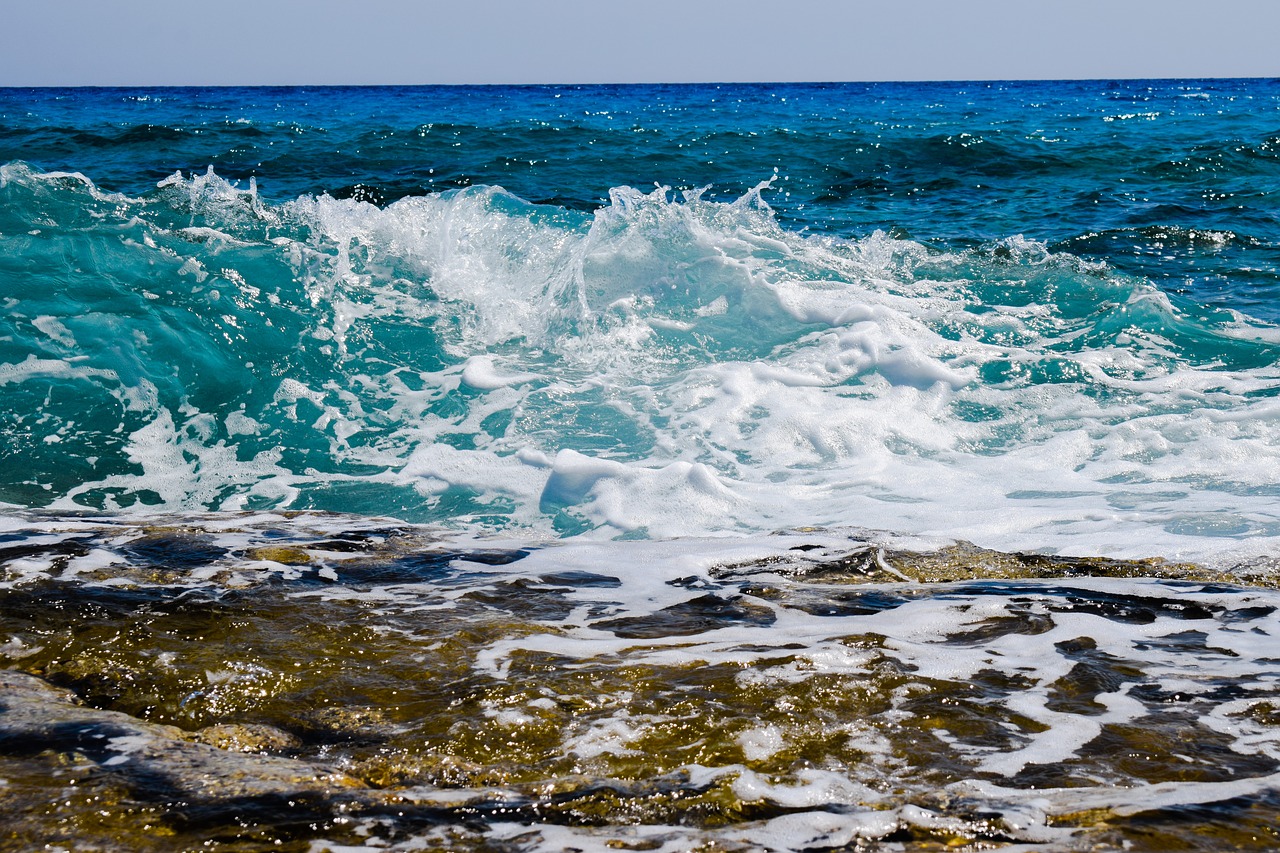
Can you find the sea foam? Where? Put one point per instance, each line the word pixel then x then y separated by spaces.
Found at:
pixel 665 366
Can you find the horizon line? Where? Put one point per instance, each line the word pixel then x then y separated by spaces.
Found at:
pixel 597 84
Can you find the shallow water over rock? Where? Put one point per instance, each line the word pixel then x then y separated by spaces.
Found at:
pixel 324 682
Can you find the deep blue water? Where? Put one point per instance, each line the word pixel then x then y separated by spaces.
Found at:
pixel 1128 172
pixel 1032 314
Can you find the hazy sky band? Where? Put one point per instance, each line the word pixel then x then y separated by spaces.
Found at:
pixel 272 42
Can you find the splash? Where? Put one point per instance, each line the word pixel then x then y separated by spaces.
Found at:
pixel 668 365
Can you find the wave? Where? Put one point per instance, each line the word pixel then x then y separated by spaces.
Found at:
pixel 667 364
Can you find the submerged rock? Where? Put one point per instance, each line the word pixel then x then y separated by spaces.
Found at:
pixel 815 688
pixel 36 717
pixel 246 737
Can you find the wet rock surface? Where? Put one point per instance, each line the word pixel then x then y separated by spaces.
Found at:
pixel 392 690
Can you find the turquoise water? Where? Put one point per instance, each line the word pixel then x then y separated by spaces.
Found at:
pixel 652 467
pixel 653 310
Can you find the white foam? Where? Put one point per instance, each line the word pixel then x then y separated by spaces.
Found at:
pixel 480 372
pixel 915 636
pixel 1129 801
pixel 689 367
pixel 181 468
pixel 760 743
pixel 37 368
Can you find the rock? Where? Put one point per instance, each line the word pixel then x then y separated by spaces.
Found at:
pixel 245 737
pixel 36 717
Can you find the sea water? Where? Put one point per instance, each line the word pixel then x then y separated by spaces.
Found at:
pixel 761 466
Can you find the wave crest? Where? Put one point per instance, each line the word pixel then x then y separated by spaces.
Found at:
pixel 466 356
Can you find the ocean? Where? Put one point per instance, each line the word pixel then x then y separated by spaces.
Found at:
pixel 665 467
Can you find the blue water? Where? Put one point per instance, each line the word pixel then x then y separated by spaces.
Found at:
pixel 1037 315
pixel 683 396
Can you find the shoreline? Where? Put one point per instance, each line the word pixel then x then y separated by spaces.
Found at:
pixel 311 685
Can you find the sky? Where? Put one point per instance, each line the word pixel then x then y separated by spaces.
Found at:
pixel 285 42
